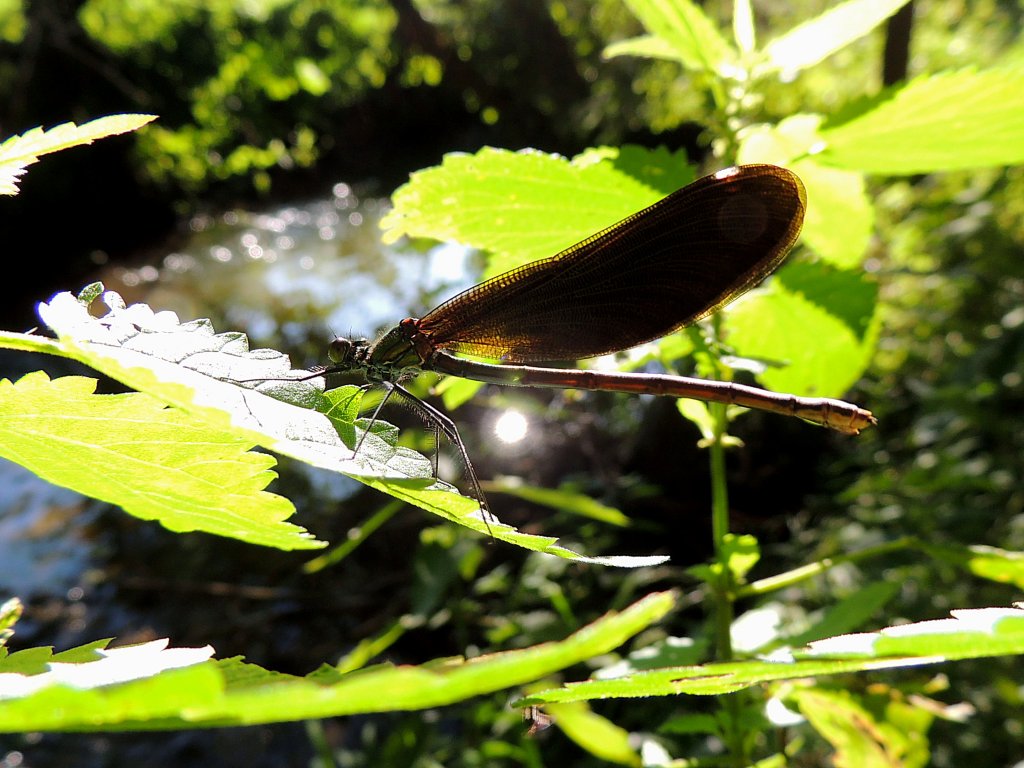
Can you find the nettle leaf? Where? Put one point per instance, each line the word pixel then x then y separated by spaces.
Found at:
pixel 950 121
pixel 19 152
pixel 643 46
pixel 817 39
pixel 815 328
pixel 687 31
pixel 970 634
pixel 155 462
pixel 868 737
pixel 218 381
pixel 596 734
pixel 91 666
pixel 999 565
pixel 840 217
pixel 151 688
pixel 524 206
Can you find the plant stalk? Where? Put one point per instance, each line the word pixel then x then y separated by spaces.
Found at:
pixel 723 588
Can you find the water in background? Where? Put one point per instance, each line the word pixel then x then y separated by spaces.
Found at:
pixel 288 275
pixel 290 278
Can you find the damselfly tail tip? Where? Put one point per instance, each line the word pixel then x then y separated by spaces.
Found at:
pixel 859 419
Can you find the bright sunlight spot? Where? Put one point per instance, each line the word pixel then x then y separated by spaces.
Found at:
pixel 511 427
pixel 756 628
pixel 781 715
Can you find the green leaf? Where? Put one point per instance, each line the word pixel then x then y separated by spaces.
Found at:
pixel 562 499
pixel 692 723
pixel 19 152
pixel 90 293
pixel 524 206
pixel 175 689
pixel 740 553
pixel 814 40
pixel 370 647
pixel 971 634
pixel 597 735
pixel 862 737
pixel 687 30
pixel 743 30
pixel 697 412
pixel 668 652
pixel 91 666
pixel 188 366
pixel 455 391
pixel 955 120
pixel 356 536
pixel 848 614
pixel 840 218
pixel 780 144
pixel 10 612
pixel 776 760
pixel 815 327
pixel 157 463
pixel 645 46
pixel 849 296
pixel 999 565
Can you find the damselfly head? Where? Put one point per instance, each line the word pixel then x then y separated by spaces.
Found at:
pixel 342 350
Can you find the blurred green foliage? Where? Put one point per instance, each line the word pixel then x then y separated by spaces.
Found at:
pixel 12 21
pixel 245 88
pixel 244 85
pixel 946 462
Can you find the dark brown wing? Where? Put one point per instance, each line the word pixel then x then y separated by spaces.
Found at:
pixel 661 269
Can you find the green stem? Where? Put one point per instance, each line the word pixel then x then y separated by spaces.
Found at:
pixel 356 537
pixel 804 572
pixel 323 754
pixel 723 587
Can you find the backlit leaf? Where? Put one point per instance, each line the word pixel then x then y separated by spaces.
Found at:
pixel 955 120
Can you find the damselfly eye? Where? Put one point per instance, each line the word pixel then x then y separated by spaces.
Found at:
pixel 340 350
